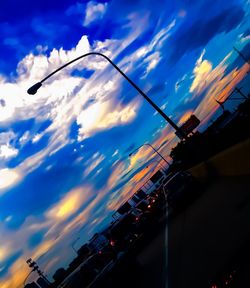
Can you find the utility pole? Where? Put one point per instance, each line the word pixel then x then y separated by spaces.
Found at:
pixel 32 264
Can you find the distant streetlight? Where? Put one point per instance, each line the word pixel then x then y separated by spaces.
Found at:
pixel 33 89
pixel 159 163
pixel 155 150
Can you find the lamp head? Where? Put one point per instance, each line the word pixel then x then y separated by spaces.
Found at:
pixel 33 89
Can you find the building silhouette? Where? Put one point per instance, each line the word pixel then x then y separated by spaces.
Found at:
pixel 42 283
pixel 31 285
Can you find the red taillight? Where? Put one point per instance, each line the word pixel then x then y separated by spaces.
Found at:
pixel 137 218
pixel 149 206
pixel 153 200
pixel 100 252
pixel 112 243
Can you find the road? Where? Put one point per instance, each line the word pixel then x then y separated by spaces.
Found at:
pixel 206 239
pixel 209 236
pixel 196 246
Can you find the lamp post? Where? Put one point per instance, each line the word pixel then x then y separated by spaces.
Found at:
pixel 32 264
pixel 33 89
pixel 159 163
pixel 155 150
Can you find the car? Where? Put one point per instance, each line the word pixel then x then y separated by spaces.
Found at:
pixel 121 232
pixel 180 190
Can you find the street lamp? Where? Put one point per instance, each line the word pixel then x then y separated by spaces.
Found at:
pixel 159 163
pixel 33 89
pixel 155 150
pixel 32 264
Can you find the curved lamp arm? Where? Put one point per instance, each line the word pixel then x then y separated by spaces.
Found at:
pixel 33 89
pixel 24 282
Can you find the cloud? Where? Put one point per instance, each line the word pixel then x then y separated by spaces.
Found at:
pixel 94 11
pixel 69 204
pixel 201 72
pixel 59 99
pixel 157 41
pixel 100 116
pixel 93 162
pixel 36 138
pixel 185 116
pixel 151 62
pixel 8 177
pixel 219 88
pixel 115 176
pixel 202 30
pixel 115 153
pixel 130 186
pixel 6 149
pixel 4 251
pixel 94 104
pixel 245 37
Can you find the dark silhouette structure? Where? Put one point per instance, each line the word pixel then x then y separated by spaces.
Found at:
pixel 31 285
pixel 217 137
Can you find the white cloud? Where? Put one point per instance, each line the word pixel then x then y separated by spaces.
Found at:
pixel 36 138
pixel 157 42
pixel 94 12
pixel 6 137
pixel 164 106
pixel 57 100
pixel 62 98
pixel 24 138
pixel 8 177
pixel 151 52
pixel 201 71
pixel 115 153
pixel 6 151
pixel 245 39
pixel 8 218
pixel 152 61
pixel 95 160
pixel 100 116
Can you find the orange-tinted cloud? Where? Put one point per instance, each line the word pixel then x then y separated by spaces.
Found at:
pixel 220 89
pixel 185 116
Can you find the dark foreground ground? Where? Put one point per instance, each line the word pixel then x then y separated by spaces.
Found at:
pixel 203 244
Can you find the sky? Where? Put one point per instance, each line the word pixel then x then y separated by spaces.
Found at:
pixel 64 152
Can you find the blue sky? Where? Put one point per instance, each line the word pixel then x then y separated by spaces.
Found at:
pixel 64 165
